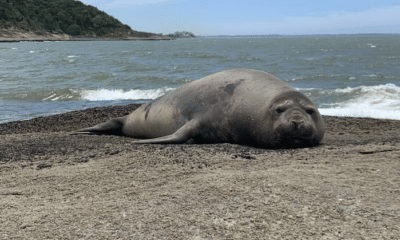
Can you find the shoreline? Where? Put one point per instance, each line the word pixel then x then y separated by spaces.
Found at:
pixel 340 131
pixel 13 35
pixel 77 39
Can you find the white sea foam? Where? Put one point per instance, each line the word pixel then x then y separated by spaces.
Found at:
pixel 49 97
pixel 381 101
pixel 371 75
pixel 297 78
pixel 387 88
pixel 117 94
pixel 305 89
pixel 364 113
pixel 345 90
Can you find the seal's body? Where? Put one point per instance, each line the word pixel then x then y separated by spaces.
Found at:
pixel 241 106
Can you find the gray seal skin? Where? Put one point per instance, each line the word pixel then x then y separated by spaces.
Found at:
pixel 241 106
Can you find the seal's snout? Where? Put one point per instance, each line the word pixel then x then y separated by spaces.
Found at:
pixel 297 123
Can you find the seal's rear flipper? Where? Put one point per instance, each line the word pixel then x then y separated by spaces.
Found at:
pixel 184 134
pixel 111 127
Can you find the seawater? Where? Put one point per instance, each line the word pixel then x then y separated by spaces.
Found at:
pixel 345 75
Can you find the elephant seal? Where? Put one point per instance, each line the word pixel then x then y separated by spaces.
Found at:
pixel 241 106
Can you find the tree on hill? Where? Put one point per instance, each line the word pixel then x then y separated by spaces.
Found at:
pixel 68 16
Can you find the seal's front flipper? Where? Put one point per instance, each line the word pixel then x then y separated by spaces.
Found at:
pixel 111 127
pixel 184 134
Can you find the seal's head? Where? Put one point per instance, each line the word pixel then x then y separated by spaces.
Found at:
pixel 295 120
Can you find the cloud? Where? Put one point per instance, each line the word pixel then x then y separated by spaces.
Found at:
pixel 378 20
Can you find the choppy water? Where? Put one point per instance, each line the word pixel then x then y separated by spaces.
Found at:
pixel 350 75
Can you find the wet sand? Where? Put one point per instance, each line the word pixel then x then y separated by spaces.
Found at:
pixel 60 186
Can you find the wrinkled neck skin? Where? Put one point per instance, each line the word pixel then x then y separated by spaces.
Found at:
pixel 290 121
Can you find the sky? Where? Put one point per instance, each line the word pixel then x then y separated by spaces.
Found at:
pixel 255 17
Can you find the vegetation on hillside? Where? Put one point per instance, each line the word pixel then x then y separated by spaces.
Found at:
pixel 61 16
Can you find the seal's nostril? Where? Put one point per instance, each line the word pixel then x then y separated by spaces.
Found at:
pixel 297 122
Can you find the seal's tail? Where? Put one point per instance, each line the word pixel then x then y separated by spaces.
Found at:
pixel 111 127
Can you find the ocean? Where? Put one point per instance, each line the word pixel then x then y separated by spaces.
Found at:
pixel 344 75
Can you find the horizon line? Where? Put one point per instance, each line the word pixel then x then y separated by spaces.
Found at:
pixel 287 35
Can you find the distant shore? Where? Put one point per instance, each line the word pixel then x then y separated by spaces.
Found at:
pixel 13 35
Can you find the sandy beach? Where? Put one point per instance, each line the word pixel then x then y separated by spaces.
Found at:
pixel 60 186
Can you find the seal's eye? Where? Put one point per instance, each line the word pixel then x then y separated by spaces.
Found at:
pixel 279 110
pixel 310 111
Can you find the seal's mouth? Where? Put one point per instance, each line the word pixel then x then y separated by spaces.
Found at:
pixel 294 141
pixel 301 141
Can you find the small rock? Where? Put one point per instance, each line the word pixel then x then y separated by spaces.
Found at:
pixel 43 165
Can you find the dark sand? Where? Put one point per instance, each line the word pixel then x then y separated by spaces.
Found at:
pixel 60 186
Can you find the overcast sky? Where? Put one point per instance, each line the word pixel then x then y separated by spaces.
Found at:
pixel 252 17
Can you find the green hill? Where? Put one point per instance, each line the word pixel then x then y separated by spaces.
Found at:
pixel 62 16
